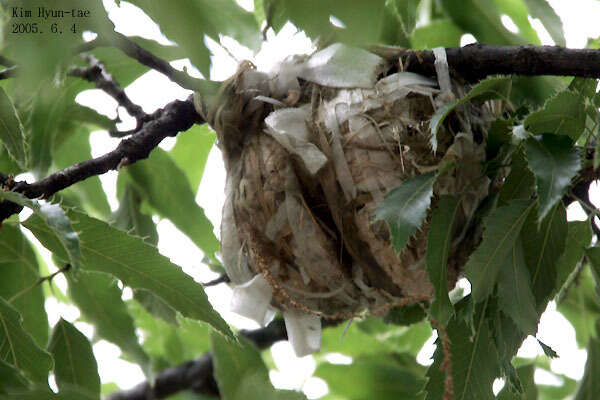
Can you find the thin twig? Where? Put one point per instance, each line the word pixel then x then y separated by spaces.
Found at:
pixel 221 279
pixel 8 72
pixel 40 280
pixel 97 74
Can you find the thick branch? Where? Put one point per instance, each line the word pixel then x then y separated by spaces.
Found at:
pixel 476 61
pixel 176 117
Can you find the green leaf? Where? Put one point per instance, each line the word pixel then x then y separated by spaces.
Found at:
pixel 554 161
pixel 502 229
pixel 191 152
pixel 515 296
pixel 167 190
pixel 581 306
pixel 99 299
pixel 386 376
pixel 55 222
pixel 18 348
pixel 544 12
pixel 578 239
pixel 166 343
pixel 241 373
pixel 10 378
pixel 137 264
pixel 405 315
pixel 20 274
pixel 11 130
pixel 74 361
pixel 92 197
pixel 129 217
pixel 407 11
pixel 155 306
pixel 313 17
pixel 520 183
pixel 548 351
pixel 590 384
pixel 563 114
pixel 439 241
pixel 186 22
pixel 90 117
pixel 473 357
pixel 404 208
pixel 438 33
pixel 543 245
pixel 482 19
pixel 490 88
pixel 519 14
pixel 530 392
pixel 46 394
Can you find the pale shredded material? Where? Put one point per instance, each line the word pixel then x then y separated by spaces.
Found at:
pixel 253 299
pixel 304 332
pixel 442 71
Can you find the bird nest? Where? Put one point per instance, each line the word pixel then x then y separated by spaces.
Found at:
pixel 311 150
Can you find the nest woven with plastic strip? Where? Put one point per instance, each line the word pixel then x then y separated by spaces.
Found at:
pixel 311 149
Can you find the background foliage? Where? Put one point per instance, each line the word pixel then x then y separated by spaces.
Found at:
pixel 530 253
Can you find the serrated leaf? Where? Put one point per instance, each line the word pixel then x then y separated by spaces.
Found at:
pixel 389 376
pixel 554 161
pixel 405 207
pixel 20 274
pixel 563 114
pixel 491 88
pixel 525 375
pixel 18 348
pixel 590 384
pixel 167 190
pixel 501 232
pixel 543 245
pixel 74 361
pixel 542 10
pixel 578 239
pixel 190 153
pixel 137 264
pixel 56 223
pixel 186 22
pixel 241 373
pixel 515 295
pixel 99 299
pixel 473 357
pixel 548 351
pixel 439 241
pixel 155 306
pixel 11 130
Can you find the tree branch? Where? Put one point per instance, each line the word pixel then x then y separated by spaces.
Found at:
pixel 197 375
pixel 476 61
pixel 177 116
pixel 97 74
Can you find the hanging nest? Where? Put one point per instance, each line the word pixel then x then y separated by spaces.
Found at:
pixel 310 151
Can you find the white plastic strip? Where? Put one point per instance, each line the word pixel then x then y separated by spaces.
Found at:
pixel 441 69
pixel 252 300
pixel 304 332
